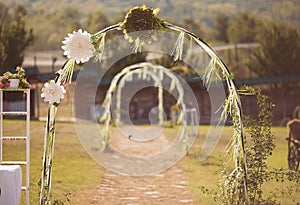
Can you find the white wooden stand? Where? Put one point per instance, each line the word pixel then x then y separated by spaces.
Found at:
pixel 26 138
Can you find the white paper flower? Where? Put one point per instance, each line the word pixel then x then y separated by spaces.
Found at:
pixel 53 92
pixel 78 46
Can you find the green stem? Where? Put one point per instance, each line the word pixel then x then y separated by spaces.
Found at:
pixel 255 190
pixel 48 155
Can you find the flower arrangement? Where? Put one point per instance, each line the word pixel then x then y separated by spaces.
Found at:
pixel 53 92
pixel 78 46
pixel 141 19
pixel 6 80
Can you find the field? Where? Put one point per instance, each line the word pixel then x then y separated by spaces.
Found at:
pixel 206 173
pixel 75 172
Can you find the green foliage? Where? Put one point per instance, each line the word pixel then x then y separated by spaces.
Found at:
pixel 20 74
pixel 259 145
pixel 64 21
pixel 15 37
pixel 258 148
pixel 97 21
pixel 243 28
pixel 203 12
pixel 194 26
pixel 280 51
pixel 286 10
pixel 221 26
pixel 53 27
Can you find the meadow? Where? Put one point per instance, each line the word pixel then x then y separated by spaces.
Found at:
pixel 76 173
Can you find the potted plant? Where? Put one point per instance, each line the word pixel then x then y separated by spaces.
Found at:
pixel 14 80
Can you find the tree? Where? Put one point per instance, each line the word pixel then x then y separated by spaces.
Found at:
pixel 97 21
pixel 194 26
pixel 221 27
pixel 3 21
pixel 52 27
pixel 243 28
pixel 14 37
pixel 280 51
pixel 62 21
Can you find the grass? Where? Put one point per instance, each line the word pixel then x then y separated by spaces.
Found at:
pixel 64 110
pixel 75 172
pixel 206 173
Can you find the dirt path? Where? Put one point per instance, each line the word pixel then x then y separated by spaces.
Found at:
pixel 167 187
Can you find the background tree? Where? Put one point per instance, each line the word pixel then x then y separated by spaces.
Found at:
pixel 53 27
pixel 97 21
pixel 279 53
pixel 14 37
pixel 62 22
pixel 221 27
pixel 243 28
pixel 3 19
pixel 194 26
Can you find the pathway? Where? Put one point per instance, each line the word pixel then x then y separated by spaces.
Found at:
pixel 167 187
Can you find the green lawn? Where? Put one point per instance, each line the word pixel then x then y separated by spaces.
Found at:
pixel 206 173
pixel 75 172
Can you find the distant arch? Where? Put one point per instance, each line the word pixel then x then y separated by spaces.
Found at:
pixel 157 73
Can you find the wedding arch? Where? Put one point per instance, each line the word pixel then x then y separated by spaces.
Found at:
pixel 142 70
pixel 80 46
pixel 144 74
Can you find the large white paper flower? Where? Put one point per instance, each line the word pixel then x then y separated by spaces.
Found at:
pixel 53 92
pixel 78 46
